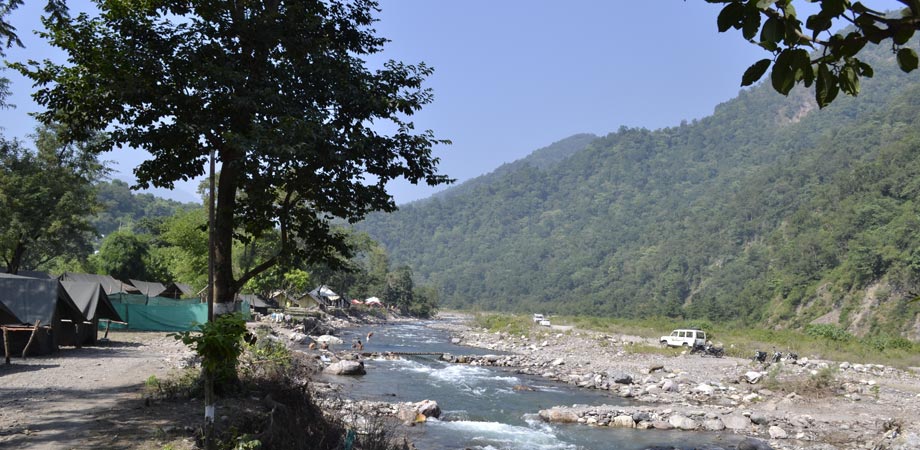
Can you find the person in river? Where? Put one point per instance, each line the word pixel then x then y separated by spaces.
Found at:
pixel 369 336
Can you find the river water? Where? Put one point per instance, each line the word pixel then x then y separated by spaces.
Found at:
pixel 480 407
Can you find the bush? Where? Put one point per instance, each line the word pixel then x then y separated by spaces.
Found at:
pixel 829 332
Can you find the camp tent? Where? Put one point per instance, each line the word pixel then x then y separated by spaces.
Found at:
pixel 328 298
pixel 94 304
pixel 373 301
pixel 148 288
pixel 177 291
pixel 28 300
pixel 109 284
pixel 256 302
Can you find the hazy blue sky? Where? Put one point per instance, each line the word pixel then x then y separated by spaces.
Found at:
pixel 512 76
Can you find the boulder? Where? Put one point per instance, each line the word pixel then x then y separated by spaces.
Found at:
pixel 713 425
pixel 683 423
pixel 455 340
pixel 777 433
pixel 558 362
pixel 753 377
pixel 704 389
pixel 661 425
pixel 669 386
pixel 556 415
pixel 736 422
pixel 621 378
pixel 345 368
pixel 753 444
pixel 428 408
pixel 623 422
pixel 760 418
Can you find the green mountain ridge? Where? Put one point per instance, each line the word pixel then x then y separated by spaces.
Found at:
pixel 767 211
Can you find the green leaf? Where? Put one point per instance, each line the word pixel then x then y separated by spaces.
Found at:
pixel 772 31
pixel 753 73
pixel 730 16
pixel 764 4
pixel 783 77
pixel 826 87
pixel 801 66
pixel 849 80
pixel 907 59
pixel 865 69
pixel 902 34
pixel 751 24
pixel 818 23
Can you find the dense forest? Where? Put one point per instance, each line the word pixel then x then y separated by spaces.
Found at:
pixel 769 211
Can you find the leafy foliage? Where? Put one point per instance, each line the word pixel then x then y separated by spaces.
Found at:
pixel 834 67
pixel 46 199
pixel 278 90
pixel 219 343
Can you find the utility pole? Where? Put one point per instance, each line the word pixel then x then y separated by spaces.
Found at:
pixel 211 289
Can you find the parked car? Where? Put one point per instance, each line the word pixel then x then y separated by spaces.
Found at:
pixel 544 323
pixel 537 318
pixel 684 338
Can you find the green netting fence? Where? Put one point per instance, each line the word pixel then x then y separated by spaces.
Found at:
pixel 162 314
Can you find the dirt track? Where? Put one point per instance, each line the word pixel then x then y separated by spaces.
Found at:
pixel 91 397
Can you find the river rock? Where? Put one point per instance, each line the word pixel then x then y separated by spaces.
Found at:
pixel 558 362
pixel 906 441
pixel 713 425
pixel 683 423
pixel 760 418
pixel 753 377
pixel 661 425
pixel 621 378
pixel 455 341
pixel 737 422
pixel 556 415
pixel 753 444
pixel 623 422
pixel 669 386
pixel 777 433
pixel 704 389
pixel 428 408
pixel 346 368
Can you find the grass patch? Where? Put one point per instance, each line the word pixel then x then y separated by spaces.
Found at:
pixel 507 323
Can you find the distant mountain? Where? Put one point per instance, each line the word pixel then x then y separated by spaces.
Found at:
pixel 124 208
pixel 767 211
pixel 543 158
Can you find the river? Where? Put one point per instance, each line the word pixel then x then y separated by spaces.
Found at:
pixel 481 409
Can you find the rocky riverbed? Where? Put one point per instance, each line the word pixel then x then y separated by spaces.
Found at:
pixel 805 404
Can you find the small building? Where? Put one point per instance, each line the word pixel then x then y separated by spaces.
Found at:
pixel 27 301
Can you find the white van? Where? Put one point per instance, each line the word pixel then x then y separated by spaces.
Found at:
pixel 684 338
pixel 537 318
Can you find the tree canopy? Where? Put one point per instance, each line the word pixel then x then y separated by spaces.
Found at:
pixel 46 200
pixel 809 52
pixel 279 92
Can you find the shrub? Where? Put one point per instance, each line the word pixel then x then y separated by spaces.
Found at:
pixel 829 332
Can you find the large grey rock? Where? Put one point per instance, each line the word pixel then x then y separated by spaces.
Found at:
pixel 737 422
pixel 669 386
pixel 753 444
pixel 760 418
pixel 713 425
pixel 683 423
pixel 906 441
pixel 428 408
pixel 345 368
pixel 777 433
pixel 704 389
pixel 556 415
pixel 623 422
pixel 620 377
pixel 753 377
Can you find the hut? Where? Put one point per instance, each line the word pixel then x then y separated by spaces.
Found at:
pixel 95 305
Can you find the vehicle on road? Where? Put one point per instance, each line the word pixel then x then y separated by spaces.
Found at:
pixel 537 318
pixel 690 337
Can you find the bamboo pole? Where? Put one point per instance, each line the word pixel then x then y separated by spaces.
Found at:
pixel 6 344
pixel 31 337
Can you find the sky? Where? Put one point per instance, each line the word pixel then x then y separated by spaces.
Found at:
pixel 513 76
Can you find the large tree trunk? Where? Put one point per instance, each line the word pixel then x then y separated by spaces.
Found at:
pixel 228 184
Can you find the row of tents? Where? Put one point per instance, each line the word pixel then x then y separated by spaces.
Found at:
pixel 50 312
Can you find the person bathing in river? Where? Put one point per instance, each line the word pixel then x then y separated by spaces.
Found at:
pixel 369 336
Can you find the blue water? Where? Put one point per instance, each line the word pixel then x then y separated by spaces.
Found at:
pixel 480 407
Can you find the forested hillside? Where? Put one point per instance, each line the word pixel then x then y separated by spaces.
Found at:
pixel 768 211
pixel 124 208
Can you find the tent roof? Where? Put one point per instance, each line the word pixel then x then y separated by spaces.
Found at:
pixel 32 274
pixel 177 290
pixel 91 299
pixel 324 291
pixel 31 299
pixel 109 284
pixel 148 288
pixel 255 300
